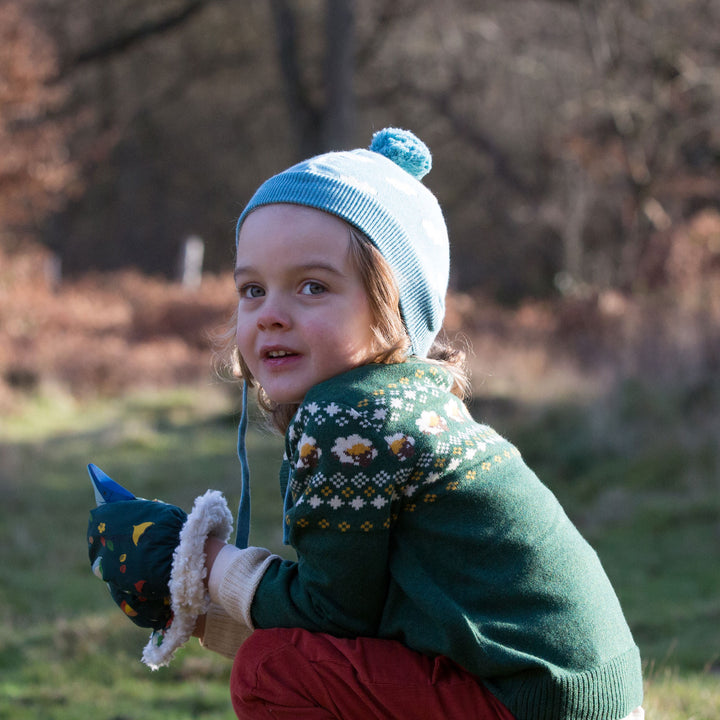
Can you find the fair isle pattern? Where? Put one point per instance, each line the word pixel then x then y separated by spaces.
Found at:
pixel 413 522
pixel 356 466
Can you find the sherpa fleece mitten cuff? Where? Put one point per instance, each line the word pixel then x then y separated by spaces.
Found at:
pixel 189 597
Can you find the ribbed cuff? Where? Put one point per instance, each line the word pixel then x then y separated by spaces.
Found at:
pixel 608 691
pixel 234 578
pixel 223 634
pixel 223 561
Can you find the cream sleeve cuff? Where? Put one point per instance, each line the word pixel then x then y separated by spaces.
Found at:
pixel 223 634
pixel 234 578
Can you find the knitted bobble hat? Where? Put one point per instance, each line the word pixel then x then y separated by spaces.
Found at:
pixel 379 192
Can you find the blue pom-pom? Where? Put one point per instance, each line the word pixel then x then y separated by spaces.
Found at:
pixel 404 149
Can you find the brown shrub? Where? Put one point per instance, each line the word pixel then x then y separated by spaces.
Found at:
pixel 108 333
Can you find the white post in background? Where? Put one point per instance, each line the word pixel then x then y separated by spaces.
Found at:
pixel 192 262
pixel 53 271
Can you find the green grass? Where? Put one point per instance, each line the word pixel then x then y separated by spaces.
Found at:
pixel 65 651
pixel 638 472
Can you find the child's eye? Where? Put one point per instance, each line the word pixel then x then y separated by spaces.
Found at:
pixel 251 291
pixel 312 288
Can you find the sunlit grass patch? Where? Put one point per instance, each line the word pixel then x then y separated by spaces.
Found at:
pixel 671 695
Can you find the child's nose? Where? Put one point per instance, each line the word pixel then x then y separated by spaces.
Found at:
pixel 273 314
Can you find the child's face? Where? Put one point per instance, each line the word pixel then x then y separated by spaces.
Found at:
pixel 303 313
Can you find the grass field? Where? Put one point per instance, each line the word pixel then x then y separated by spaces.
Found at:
pixel 639 472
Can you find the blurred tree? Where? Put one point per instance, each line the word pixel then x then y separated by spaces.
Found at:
pixel 325 123
pixel 36 170
pixel 173 123
pixel 628 179
pixel 143 179
pixel 568 136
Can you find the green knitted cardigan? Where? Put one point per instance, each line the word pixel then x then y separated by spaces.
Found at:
pixel 413 522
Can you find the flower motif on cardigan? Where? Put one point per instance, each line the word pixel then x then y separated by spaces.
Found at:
pixel 401 445
pixel 454 411
pixel 354 450
pixel 431 423
pixel 309 453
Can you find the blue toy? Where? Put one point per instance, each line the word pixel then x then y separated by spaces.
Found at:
pixel 106 489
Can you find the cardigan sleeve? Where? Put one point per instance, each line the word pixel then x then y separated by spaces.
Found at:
pixel 343 503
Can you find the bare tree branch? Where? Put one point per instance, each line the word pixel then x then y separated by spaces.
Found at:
pixel 124 41
pixel 474 137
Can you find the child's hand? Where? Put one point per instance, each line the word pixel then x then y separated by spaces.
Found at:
pixel 131 547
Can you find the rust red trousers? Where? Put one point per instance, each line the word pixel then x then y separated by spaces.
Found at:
pixel 298 675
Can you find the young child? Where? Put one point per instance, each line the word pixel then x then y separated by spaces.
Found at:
pixel 436 576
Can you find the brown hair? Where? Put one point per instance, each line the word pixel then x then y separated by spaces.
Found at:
pixel 392 343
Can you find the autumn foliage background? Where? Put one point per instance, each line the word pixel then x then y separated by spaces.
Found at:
pixel 577 158
pixel 108 333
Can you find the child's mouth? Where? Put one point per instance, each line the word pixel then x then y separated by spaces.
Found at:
pixel 279 354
